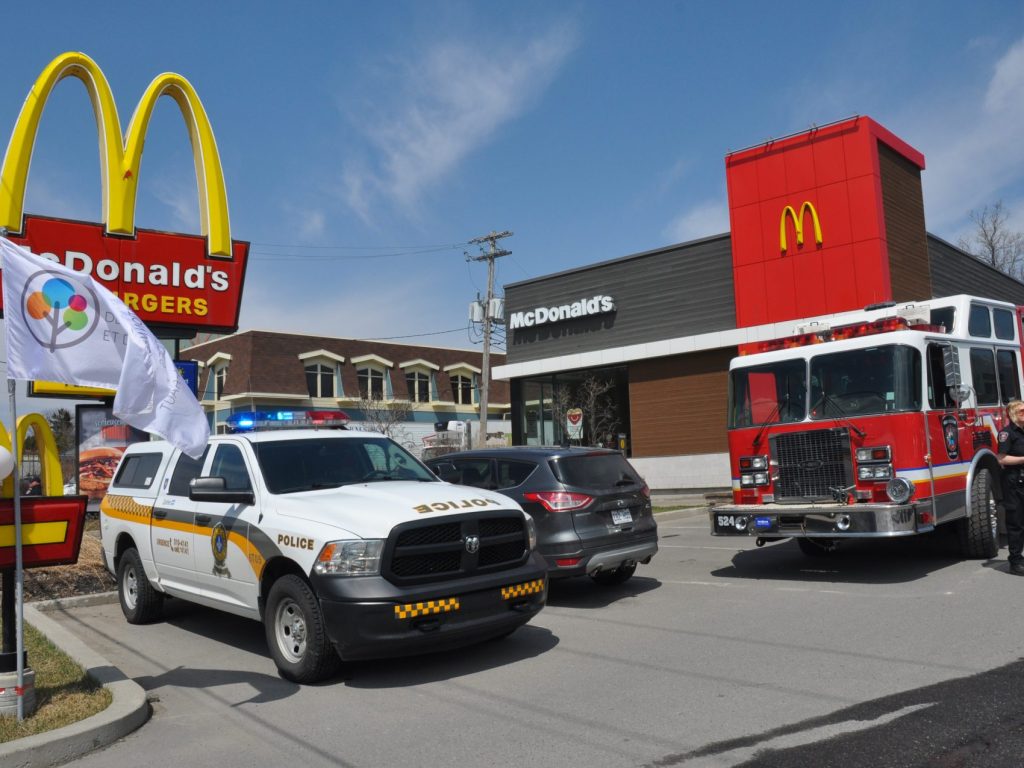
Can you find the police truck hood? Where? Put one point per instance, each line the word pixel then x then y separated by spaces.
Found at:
pixel 375 508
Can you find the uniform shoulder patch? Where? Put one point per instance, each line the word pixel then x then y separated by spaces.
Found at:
pixel 1004 436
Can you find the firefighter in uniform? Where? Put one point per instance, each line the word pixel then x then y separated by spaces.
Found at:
pixel 1011 457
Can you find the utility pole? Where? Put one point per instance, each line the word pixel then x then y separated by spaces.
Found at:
pixel 485 376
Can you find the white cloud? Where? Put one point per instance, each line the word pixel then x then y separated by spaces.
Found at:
pixel 355 313
pixel 180 197
pixel 973 146
pixel 455 98
pixel 710 217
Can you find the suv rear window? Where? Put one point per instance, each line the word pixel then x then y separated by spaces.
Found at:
pixel 596 470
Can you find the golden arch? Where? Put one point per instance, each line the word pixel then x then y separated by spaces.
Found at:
pixel 52 477
pixel 119 159
pixel 798 224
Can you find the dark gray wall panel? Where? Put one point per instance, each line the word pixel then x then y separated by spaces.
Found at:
pixel 954 271
pixel 682 290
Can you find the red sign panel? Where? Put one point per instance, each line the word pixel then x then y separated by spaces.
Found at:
pixel 51 530
pixel 167 279
pixel 808 224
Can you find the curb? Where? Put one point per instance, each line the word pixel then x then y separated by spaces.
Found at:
pixel 128 710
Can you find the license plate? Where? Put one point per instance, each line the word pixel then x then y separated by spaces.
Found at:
pixel 620 516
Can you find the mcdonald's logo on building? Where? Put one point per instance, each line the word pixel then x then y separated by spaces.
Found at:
pixel 172 281
pixel 798 223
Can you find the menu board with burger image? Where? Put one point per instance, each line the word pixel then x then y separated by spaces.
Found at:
pixel 101 438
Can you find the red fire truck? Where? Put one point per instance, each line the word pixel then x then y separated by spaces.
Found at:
pixel 875 423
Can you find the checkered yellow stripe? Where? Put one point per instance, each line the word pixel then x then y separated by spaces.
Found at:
pixel 412 610
pixel 521 590
pixel 126 508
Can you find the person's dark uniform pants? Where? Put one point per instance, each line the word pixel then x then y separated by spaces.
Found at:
pixel 1013 504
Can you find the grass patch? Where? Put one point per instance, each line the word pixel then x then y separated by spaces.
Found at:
pixel 65 694
pixel 676 508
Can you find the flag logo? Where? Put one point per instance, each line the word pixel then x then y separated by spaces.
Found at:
pixel 54 306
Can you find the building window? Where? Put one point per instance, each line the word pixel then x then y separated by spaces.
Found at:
pixel 320 380
pixel 462 390
pixel 220 376
pixel 371 383
pixel 419 386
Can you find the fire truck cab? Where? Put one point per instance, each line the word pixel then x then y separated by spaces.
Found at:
pixel 875 423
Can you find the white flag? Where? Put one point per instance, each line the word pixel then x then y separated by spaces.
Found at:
pixel 63 326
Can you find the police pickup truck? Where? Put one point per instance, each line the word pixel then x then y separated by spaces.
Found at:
pixel 339 541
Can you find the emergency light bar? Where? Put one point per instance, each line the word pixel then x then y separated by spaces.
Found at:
pixel 249 421
pixel 854 330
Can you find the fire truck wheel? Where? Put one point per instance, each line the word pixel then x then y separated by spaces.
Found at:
pixel 296 634
pixel 979 531
pixel 140 603
pixel 817 547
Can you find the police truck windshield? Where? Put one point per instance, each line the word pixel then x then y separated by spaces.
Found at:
pixel 312 464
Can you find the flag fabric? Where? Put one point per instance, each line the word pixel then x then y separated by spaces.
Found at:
pixel 63 326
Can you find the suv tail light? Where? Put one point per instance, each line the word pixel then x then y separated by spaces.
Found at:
pixel 646 491
pixel 559 501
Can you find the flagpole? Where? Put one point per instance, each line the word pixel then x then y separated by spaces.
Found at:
pixel 19 572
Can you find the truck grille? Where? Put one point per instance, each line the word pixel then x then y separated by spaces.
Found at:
pixel 811 465
pixel 439 549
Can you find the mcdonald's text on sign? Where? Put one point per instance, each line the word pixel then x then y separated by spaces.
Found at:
pixel 171 281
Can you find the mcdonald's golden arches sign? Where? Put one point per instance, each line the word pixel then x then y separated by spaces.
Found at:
pixel 172 281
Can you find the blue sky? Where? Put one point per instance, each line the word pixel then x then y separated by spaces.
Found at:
pixel 365 143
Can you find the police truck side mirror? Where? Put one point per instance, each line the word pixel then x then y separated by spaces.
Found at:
pixel 215 489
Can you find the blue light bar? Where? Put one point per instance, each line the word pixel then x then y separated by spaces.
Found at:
pixel 248 421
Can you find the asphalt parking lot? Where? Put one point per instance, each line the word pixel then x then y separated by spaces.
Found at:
pixel 710 655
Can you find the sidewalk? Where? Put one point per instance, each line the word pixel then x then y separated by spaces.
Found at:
pixel 128 710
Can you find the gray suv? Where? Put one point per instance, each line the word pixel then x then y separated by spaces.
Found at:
pixel 591 508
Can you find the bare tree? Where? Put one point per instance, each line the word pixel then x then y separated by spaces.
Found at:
pixel 993 242
pixel 388 417
pixel 62 424
pixel 561 402
pixel 600 418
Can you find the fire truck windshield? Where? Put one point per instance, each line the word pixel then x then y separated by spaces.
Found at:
pixel 768 394
pixel 861 382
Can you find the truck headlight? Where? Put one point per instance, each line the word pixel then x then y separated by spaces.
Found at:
pixel 531 533
pixel 357 557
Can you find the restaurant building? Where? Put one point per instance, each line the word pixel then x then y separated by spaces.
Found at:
pixel 638 348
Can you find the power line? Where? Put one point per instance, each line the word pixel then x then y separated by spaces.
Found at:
pixel 259 255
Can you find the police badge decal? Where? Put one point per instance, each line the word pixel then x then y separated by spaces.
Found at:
pixel 219 545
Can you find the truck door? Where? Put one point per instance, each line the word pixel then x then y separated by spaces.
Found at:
pixel 172 529
pixel 948 433
pixel 223 565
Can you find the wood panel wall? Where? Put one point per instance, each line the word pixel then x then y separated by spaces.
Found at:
pixel 903 201
pixel 678 404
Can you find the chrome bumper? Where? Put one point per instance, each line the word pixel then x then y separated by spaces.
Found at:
pixel 819 520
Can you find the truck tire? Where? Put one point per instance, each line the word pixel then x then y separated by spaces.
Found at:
pixel 140 603
pixel 296 634
pixel 979 533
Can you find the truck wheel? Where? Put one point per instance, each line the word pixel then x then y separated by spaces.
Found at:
pixel 817 547
pixel 296 634
pixel 620 575
pixel 979 533
pixel 140 603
